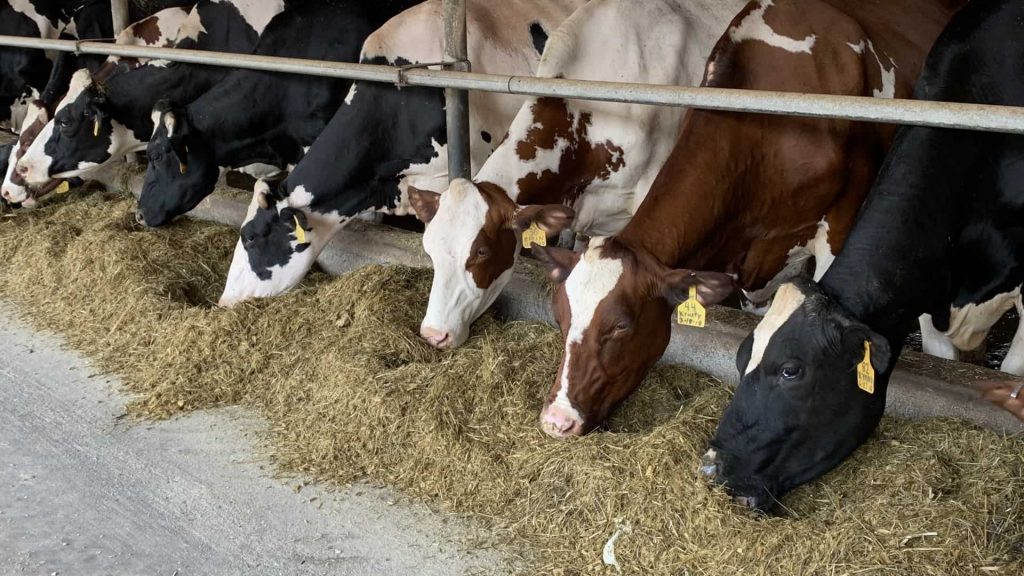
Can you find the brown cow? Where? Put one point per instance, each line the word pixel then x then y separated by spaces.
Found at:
pixel 753 195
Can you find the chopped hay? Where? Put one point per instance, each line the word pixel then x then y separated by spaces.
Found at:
pixel 353 394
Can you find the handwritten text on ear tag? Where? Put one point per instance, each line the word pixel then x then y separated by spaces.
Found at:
pixel 300 233
pixel 534 235
pixel 63 188
pixel 865 372
pixel 691 312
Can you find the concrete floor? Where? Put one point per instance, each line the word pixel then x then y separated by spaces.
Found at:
pixel 84 493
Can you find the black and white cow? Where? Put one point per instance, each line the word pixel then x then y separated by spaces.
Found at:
pixel 942 233
pixel 253 116
pixel 159 29
pixel 383 140
pixel 104 118
pixel 23 73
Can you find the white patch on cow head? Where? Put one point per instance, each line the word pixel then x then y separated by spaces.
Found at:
pixel 754 27
pixel 34 165
pixel 122 142
pixel 788 300
pixel 589 283
pixel 170 121
pixel 969 325
pixel 888 89
pixel 455 299
pixel 11 191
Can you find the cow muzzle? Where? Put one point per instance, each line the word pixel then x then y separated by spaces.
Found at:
pixel 560 423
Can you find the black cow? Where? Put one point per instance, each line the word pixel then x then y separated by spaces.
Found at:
pixel 943 226
pixel 384 139
pixel 253 116
pixel 105 118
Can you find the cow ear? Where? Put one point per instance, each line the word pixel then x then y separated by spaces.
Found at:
pixel 856 334
pixel 559 261
pixel 552 218
pixel 425 203
pixel 180 149
pixel 712 287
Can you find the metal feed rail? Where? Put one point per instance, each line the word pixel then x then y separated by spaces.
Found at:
pixel 989 118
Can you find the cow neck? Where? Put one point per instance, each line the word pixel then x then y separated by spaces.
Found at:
pixel 689 199
pixel 895 264
pixel 358 161
pixel 235 137
pixel 133 94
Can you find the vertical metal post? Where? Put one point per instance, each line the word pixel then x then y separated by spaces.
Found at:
pixel 119 15
pixel 456 101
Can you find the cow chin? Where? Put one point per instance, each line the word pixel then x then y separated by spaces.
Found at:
pixel 244 284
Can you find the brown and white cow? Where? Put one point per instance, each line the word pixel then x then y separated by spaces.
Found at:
pixel 599 158
pixel 160 30
pixel 751 195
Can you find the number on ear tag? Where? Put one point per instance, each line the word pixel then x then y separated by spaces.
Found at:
pixel 534 235
pixel 865 372
pixel 691 312
pixel 300 234
pixel 63 188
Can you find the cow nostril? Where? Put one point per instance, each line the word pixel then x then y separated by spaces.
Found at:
pixel 709 464
pixel 139 218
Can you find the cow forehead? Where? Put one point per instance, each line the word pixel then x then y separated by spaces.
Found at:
pixel 590 282
pixel 461 216
pixel 788 300
pixel 79 82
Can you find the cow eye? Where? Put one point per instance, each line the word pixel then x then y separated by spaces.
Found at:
pixel 790 372
pixel 63 123
pixel 483 252
pixel 622 327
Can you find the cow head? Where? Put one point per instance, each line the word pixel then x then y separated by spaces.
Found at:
pixel 181 171
pixel 612 305
pixel 472 239
pixel 80 138
pixel 15 189
pixel 798 411
pixel 277 245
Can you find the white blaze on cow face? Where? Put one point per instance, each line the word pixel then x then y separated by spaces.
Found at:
pixel 455 298
pixel 754 27
pixel 589 283
pixel 34 165
pixel 788 300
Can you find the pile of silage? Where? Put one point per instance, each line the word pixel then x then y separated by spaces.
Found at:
pixel 353 394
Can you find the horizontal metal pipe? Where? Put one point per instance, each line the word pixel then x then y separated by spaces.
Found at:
pixel 988 118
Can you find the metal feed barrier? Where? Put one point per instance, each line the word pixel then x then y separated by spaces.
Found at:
pixel 456 80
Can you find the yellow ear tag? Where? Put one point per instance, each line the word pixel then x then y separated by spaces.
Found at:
pixel 534 235
pixel 300 234
pixel 63 188
pixel 865 372
pixel 182 167
pixel 691 312
pixel 96 128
